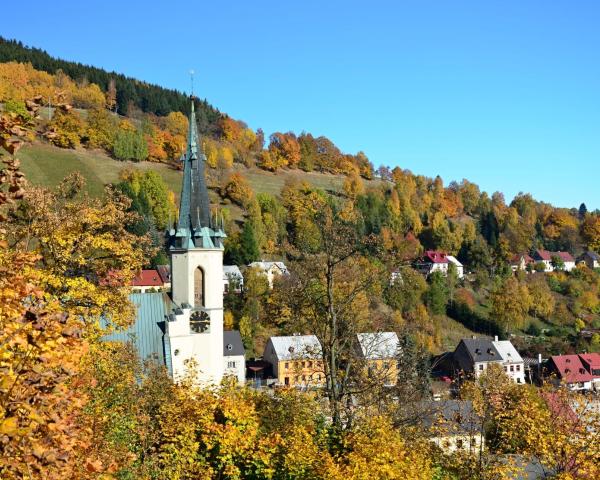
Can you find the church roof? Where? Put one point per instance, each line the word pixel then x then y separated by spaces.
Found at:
pixel 147 333
pixel 195 228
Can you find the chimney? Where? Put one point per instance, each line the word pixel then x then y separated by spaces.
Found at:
pixel 495 338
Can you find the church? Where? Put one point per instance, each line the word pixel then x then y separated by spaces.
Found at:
pixel 185 328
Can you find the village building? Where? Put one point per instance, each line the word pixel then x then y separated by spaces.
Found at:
pixel 296 360
pixel 379 351
pixel 186 326
pixel 234 356
pixel 453 426
pixel 460 270
pixel 590 259
pixel 165 274
pixel 147 281
pixel 522 262
pixel 272 270
pixel 232 276
pixel 547 258
pixel 432 261
pixel 591 362
pixel 570 371
pixel 473 356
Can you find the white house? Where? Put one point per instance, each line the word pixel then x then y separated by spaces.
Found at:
pixel 512 362
pixel 271 269
pixel 232 275
pixel 234 356
pixel 432 261
pixel 460 271
pixel 591 259
pixel 546 257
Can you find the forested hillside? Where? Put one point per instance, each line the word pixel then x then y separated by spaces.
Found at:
pixel 404 213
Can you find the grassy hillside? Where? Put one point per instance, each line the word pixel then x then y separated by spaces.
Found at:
pixel 47 165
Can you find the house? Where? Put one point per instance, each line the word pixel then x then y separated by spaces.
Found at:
pixel 453 426
pixel 147 281
pixel 521 262
pixel 513 364
pixel 570 370
pixel 432 261
pixel 379 351
pixel 296 360
pixel 473 356
pixel 589 258
pixel 591 362
pixel 547 258
pixel 165 274
pixel 187 324
pixel 460 271
pixel 234 356
pixel 271 269
pixel 232 276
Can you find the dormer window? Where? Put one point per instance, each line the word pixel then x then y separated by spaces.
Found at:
pixel 229 347
pixel 478 351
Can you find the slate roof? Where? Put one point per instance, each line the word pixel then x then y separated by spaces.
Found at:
pixel 507 351
pixel 592 255
pixel 377 346
pixel 232 344
pixel 457 416
pixel 148 278
pixel 296 346
pixel 571 369
pixel 147 332
pixel 481 350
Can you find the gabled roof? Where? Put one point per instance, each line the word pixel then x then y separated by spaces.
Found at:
pixel 165 272
pixel 266 266
pixel 507 351
pixel 454 260
pixel 147 333
pixel 435 257
pixel 565 256
pixel 571 369
pixel 148 278
pixel 592 255
pixel 296 347
pixel 377 346
pixel 542 255
pixel 450 417
pixel 231 270
pixel 232 344
pixel 591 361
pixel 516 259
pixel 481 350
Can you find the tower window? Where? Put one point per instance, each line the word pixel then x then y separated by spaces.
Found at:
pixel 198 288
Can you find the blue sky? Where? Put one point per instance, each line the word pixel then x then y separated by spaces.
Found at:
pixel 503 93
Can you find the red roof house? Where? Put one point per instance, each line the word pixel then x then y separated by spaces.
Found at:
pixel 571 370
pixel 435 257
pixel 147 279
pixel 591 361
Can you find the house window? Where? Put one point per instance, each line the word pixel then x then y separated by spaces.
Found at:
pixel 309 364
pixel 481 367
pixel 505 368
pixel 459 443
pixel 303 364
pixel 518 367
pixel 287 365
pixel 512 368
pixel 286 380
pixel 231 364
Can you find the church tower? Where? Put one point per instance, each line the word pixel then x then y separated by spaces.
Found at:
pixel 194 332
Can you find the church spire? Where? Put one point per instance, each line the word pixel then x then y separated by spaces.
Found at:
pixel 194 207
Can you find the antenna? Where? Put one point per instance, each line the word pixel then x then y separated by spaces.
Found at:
pixel 192 81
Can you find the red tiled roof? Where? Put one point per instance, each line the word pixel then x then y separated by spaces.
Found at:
pixel 571 369
pixel 591 361
pixel 517 259
pixel 147 278
pixel 544 255
pixel 565 256
pixel 436 257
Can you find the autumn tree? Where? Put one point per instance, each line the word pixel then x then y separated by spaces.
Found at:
pixel 510 301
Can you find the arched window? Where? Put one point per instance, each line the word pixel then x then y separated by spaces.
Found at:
pixel 198 288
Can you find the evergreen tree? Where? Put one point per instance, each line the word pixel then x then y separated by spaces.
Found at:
pixel 248 249
pixel 437 295
pixel 582 210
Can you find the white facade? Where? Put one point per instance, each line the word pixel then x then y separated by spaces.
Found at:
pixel 271 269
pixel 512 362
pixel 235 366
pixel 460 271
pixel 232 272
pixel 205 349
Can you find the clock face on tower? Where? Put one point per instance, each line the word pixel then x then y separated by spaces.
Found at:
pixel 199 322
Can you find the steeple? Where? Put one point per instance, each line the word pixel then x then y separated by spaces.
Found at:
pixel 194 228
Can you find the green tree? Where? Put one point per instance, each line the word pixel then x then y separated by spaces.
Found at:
pixel 437 294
